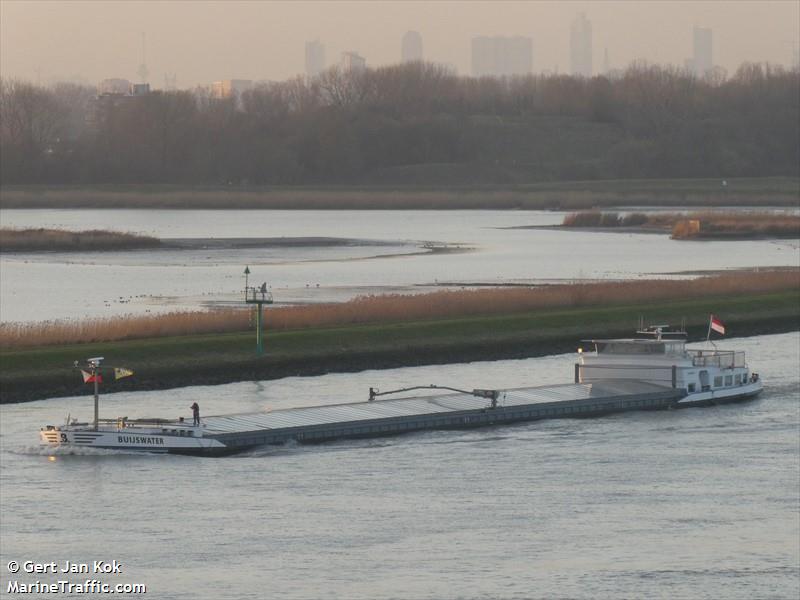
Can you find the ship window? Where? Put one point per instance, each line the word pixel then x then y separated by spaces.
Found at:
pixel 717 381
pixel 183 432
pixel 630 348
pixel 728 380
pixel 737 379
pixel 691 387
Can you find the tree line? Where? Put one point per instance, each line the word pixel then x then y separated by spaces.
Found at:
pixel 415 123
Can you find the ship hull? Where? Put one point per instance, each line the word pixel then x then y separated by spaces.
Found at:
pixel 724 396
pixel 139 441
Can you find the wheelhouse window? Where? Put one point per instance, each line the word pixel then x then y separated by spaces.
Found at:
pixel 630 348
pixel 728 380
pixel 718 381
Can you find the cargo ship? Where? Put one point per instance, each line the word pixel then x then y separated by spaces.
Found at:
pixel 654 371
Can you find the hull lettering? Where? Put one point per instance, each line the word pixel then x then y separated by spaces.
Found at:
pixel 140 439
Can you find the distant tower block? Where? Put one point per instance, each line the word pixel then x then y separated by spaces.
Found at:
pixel 143 72
pixel 411 47
pixel 498 56
pixel 703 55
pixel 315 58
pixel 353 62
pixel 580 46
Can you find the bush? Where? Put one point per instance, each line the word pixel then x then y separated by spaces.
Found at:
pixel 634 219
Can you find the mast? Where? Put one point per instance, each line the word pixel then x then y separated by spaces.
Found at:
pixel 95 365
pixel 96 400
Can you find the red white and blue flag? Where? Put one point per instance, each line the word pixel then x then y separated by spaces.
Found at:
pixel 717 325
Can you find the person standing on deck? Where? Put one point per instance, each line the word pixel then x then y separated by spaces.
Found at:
pixel 195 413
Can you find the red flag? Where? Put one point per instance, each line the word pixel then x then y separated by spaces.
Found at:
pixel 717 325
pixel 89 378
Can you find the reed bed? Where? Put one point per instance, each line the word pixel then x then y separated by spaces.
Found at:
pixel 60 240
pixel 737 225
pixel 695 224
pixel 396 308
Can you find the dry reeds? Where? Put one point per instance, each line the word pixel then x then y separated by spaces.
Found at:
pixel 696 224
pixel 60 240
pixel 396 308
pixel 749 224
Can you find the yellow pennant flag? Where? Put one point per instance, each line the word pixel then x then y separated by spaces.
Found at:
pixel 120 373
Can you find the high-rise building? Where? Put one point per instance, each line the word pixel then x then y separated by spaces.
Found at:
pixel 353 61
pixel 580 46
pixel 411 47
pixel 498 56
pixel 702 55
pixel 231 88
pixel 315 58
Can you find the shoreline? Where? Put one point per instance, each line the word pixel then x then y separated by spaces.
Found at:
pixel 208 243
pixel 210 359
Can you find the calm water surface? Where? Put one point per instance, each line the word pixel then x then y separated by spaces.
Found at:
pixel 46 286
pixel 696 503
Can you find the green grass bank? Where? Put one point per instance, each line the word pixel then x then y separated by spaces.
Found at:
pixel 163 363
pixel 555 195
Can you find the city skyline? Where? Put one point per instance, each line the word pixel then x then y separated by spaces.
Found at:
pixel 266 41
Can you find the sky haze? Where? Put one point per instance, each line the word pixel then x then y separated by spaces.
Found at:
pixel 205 41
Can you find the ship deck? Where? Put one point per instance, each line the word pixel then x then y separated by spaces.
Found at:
pixel 444 411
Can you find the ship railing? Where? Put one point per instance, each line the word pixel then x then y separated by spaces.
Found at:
pixel 126 423
pixel 256 295
pixel 722 359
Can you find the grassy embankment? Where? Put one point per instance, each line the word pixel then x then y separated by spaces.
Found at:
pixel 59 240
pixel 697 225
pixel 44 371
pixel 570 195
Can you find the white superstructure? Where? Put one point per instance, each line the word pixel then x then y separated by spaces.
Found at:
pixel 150 435
pixel 706 375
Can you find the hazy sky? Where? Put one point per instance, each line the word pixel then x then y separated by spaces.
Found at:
pixel 206 41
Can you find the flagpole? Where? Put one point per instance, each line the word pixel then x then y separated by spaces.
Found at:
pixel 708 335
pixel 96 399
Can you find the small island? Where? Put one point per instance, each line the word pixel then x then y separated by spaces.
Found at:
pixel 59 240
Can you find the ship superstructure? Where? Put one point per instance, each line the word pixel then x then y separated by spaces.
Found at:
pixel 661 357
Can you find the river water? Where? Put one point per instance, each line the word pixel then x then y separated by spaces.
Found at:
pixel 35 287
pixel 695 503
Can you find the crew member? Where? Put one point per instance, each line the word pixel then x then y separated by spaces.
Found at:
pixel 195 413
